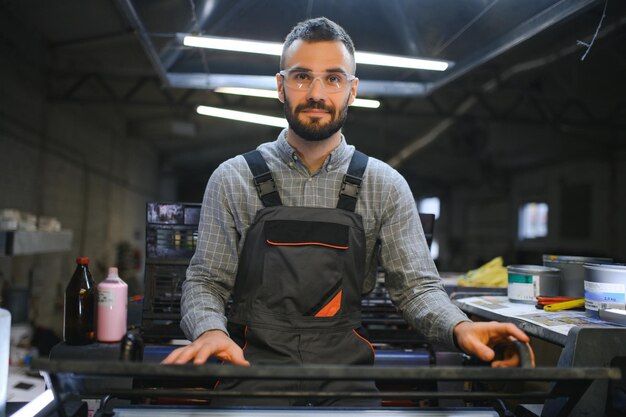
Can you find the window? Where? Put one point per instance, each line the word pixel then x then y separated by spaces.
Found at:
pixel 532 221
pixel 434 249
pixel 431 205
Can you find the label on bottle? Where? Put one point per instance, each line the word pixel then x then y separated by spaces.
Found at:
pixel 603 295
pixel 106 298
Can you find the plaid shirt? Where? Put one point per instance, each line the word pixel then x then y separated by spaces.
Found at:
pixel 385 203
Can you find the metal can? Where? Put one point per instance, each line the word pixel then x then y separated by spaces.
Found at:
pixel 526 282
pixel 572 282
pixel 605 287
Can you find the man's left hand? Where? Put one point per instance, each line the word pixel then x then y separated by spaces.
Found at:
pixel 478 339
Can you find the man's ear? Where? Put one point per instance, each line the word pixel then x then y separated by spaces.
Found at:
pixel 280 88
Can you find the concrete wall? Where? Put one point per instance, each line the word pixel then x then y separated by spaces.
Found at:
pixel 75 163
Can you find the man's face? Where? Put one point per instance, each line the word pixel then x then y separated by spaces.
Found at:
pixel 316 113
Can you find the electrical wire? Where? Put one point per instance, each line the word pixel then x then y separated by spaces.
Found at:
pixel 595 35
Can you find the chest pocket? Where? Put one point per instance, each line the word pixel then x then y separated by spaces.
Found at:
pixel 304 267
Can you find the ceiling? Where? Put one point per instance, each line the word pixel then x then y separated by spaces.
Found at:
pixel 516 78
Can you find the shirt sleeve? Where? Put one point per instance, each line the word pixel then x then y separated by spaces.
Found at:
pixel 411 275
pixel 211 272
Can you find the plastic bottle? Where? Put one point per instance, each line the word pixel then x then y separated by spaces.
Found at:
pixel 112 308
pixel 79 306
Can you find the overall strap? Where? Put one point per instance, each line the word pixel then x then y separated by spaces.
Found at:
pixel 263 180
pixel 351 184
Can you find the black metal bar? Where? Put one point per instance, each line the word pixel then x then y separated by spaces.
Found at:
pixel 131 92
pixel 129 12
pixel 571 392
pixel 79 83
pixel 412 395
pixel 142 370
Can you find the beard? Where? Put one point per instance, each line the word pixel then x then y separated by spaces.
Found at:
pixel 315 130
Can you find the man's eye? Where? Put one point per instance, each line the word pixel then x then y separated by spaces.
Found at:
pixel 334 78
pixel 301 76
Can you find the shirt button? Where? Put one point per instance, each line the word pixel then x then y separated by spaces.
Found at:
pixel 291 164
pixel 295 157
pixel 330 166
pixel 310 179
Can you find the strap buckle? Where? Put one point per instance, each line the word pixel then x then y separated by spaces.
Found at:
pixel 350 186
pixel 264 185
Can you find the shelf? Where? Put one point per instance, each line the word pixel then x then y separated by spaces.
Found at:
pixel 21 242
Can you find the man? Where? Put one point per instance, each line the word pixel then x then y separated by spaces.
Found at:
pixel 296 244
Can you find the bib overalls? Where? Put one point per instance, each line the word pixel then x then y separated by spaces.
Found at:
pixel 297 295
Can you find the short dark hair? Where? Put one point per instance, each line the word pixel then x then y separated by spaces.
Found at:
pixel 319 29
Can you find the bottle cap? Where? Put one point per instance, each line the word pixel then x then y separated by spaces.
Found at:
pixel 112 273
pixel 81 260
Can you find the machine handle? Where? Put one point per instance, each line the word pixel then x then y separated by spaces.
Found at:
pixel 525 352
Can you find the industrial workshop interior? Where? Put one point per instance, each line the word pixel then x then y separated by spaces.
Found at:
pixel 453 187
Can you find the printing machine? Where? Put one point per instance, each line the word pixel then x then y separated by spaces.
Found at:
pixel 149 389
pixel 414 379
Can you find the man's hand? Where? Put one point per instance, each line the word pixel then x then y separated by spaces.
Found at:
pixel 478 338
pixel 211 343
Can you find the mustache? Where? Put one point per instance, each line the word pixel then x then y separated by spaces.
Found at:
pixel 315 105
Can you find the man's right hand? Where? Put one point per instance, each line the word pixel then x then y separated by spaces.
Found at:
pixel 210 343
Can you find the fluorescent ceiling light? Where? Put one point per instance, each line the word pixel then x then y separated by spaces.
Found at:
pixel 242 116
pixel 256 92
pixel 252 92
pixel 275 48
pixel 400 61
pixel 367 103
pixel 235 45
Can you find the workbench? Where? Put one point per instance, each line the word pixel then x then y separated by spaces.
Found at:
pixel 585 342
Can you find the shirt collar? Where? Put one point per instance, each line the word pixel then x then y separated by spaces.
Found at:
pixel 335 159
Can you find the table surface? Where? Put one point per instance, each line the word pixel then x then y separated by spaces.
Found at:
pixel 551 326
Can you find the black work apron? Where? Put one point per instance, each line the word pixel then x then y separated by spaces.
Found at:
pixel 297 295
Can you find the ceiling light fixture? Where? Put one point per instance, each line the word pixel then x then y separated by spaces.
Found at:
pixel 256 92
pixel 382 60
pixel 275 48
pixel 242 116
pixel 235 45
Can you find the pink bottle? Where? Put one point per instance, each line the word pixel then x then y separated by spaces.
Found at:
pixel 112 308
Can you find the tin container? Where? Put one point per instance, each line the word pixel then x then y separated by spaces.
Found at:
pixel 526 282
pixel 605 287
pixel 572 272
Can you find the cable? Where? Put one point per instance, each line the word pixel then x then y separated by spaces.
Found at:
pixel 595 35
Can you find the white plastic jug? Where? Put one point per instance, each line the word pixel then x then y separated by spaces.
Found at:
pixel 5 341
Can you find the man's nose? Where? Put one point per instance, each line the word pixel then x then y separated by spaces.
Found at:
pixel 316 90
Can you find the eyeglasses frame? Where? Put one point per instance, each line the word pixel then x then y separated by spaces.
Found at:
pixel 350 77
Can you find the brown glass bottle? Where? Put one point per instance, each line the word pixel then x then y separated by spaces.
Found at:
pixel 79 316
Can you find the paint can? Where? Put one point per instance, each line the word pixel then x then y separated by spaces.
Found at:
pixel 605 287
pixel 526 282
pixel 572 282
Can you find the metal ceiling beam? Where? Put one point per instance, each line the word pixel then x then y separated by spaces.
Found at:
pixel 199 20
pixel 435 132
pixel 552 15
pixel 129 12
